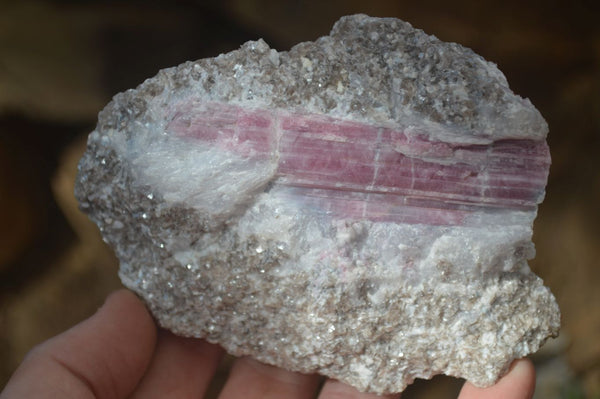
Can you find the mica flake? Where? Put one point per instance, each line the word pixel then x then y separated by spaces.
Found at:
pixel 360 206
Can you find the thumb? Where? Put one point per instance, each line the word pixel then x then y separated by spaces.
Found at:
pixel 103 357
pixel 519 383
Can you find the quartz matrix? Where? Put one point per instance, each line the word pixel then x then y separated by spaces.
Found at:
pixel 360 206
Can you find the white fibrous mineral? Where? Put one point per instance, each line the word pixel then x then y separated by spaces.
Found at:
pixel 360 206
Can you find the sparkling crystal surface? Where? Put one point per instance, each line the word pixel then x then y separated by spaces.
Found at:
pixel 360 206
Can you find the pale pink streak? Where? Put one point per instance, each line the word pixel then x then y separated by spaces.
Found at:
pixel 353 170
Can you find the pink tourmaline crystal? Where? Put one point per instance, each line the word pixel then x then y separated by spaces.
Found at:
pixel 360 206
pixel 359 171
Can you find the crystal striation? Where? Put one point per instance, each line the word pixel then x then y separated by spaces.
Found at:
pixel 360 206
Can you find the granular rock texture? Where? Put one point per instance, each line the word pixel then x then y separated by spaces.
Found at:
pixel 360 206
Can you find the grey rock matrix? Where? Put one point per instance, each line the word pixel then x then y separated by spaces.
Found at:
pixel 360 206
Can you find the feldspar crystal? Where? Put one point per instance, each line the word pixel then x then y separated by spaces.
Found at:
pixel 360 206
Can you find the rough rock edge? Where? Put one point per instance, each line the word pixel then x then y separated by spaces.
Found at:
pixel 353 73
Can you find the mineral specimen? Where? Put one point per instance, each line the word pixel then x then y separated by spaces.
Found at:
pixel 360 206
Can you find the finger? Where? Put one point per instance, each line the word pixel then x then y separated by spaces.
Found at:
pixel 250 379
pixel 181 368
pixel 103 357
pixel 519 383
pixel 333 389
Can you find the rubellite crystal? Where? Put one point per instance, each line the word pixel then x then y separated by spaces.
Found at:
pixel 360 206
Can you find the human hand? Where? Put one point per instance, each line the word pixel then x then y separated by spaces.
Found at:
pixel 119 353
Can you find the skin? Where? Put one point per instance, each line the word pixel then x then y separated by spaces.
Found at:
pixel 120 353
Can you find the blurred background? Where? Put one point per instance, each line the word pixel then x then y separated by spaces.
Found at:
pixel 62 61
